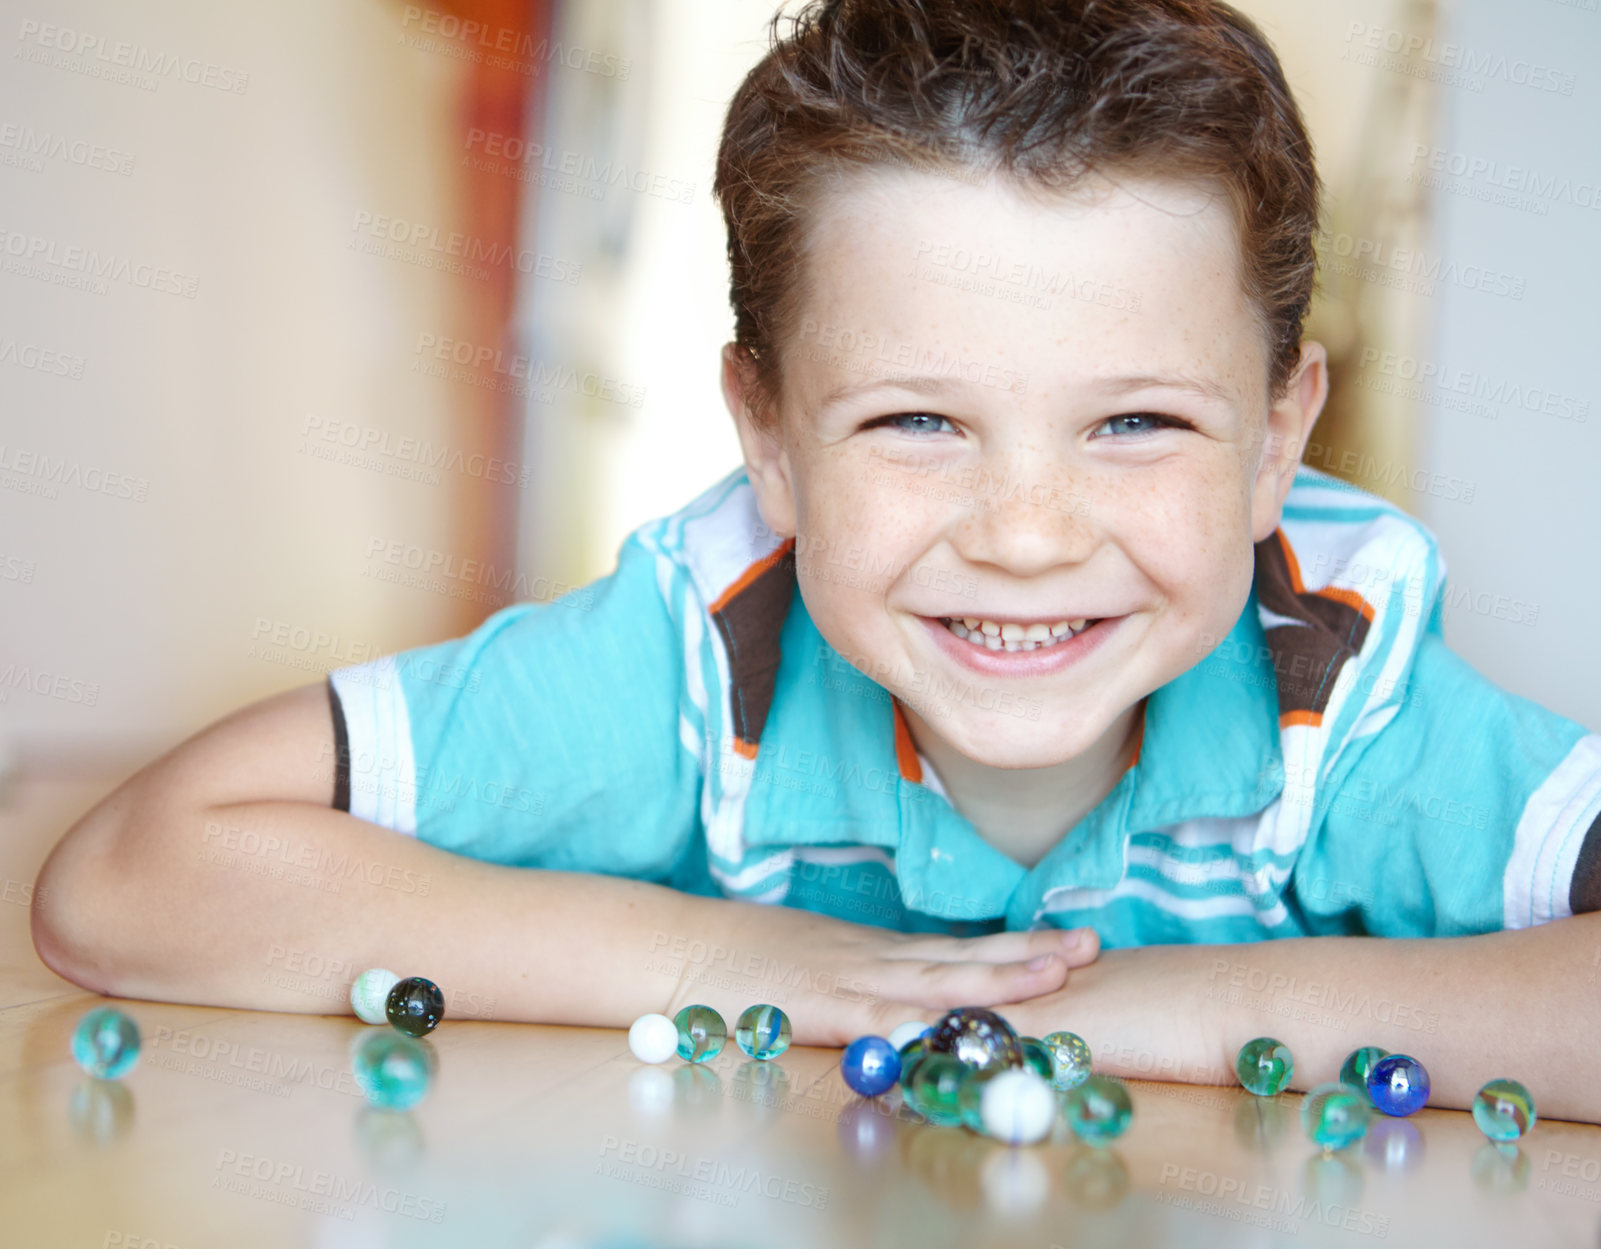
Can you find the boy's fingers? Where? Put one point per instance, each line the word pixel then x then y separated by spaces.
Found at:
pixel 940 986
pixel 1076 945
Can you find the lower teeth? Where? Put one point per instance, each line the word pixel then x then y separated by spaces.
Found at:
pixel 976 637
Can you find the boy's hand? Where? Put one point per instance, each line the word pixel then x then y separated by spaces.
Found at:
pixel 1144 1012
pixel 838 980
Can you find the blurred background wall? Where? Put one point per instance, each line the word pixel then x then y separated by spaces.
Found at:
pixel 407 311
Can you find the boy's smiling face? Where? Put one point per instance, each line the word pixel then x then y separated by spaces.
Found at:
pixel 1075 428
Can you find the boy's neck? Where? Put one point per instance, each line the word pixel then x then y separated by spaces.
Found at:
pixel 1023 812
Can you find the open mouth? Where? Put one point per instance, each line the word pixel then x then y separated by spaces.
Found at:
pixel 995 636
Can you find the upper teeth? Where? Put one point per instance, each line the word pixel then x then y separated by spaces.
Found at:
pixel 994 635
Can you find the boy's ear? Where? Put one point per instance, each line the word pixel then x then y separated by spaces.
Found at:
pixel 1289 426
pixel 766 461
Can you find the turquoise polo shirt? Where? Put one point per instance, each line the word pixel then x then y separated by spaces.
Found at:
pixel 1329 767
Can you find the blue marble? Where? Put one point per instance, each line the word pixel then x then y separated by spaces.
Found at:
pixel 1398 1085
pixel 871 1066
pixel 106 1043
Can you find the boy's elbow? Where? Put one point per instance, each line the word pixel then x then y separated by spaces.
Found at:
pixel 72 912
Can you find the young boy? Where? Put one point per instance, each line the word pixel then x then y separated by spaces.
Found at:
pixel 1020 634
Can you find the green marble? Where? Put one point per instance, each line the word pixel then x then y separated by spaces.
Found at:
pixel 1336 1114
pixel 763 1032
pixel 106 1043
pixel 1098 1109
pixel 970 1096
pixel 912 1053
pixel 936 1087
pixel 1264 1066
pixel 392 1069
pixel 701 1033
pixel 1504 1111
pixel 1071 1056
pixel 1354 1070
pixel 1037 1056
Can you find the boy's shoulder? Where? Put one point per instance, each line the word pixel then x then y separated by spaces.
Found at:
pixel 717 538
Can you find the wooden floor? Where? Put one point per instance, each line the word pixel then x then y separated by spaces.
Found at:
pixel 244 1129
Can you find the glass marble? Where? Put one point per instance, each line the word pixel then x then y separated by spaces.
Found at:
pixel 908 1031
pixel 1504 1111
pixel 1071 1054
pixel 871 1066
pixel 976 1037
pixel 701 1033
pixel 415 1006
pixel 106 1043
pixel 1017 1106
pixel 1398 1085
pixel 369 994
pixel 392 1071
pixel 970 1097
pixel 1335 1114
pixel 1037 1057
pixel 1098 1110
pixel 1354 1070
pixel 912 1053
pixel 935 1088
pixel 1264 1066
pixel 762 1032
pixel 653 1038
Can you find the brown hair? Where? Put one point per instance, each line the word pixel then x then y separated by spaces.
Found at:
pixel 1043 91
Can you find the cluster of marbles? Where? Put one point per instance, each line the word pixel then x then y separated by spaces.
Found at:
pixel 412 1004
pixel 1338 1113
pixel 697 1034
pixel 970 1068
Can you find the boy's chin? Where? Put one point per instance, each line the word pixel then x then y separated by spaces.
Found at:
pixel 1027 744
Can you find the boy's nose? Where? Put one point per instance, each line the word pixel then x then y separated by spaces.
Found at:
pixel 1027 522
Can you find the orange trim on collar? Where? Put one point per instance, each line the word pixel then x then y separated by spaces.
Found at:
pixel 750 574
pixel 905 748
pixel 1139 738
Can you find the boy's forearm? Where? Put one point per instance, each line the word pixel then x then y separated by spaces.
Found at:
pixel 278 905
pixel 1522 1004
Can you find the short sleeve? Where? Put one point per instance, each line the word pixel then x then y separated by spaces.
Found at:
pixel 1470 811
pixel 548 737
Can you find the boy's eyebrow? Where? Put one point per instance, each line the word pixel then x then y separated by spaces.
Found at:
pixel 923 385
pixel 1203 386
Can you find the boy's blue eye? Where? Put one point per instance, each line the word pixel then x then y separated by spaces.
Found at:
pixel 1152 421
pixel 927 422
